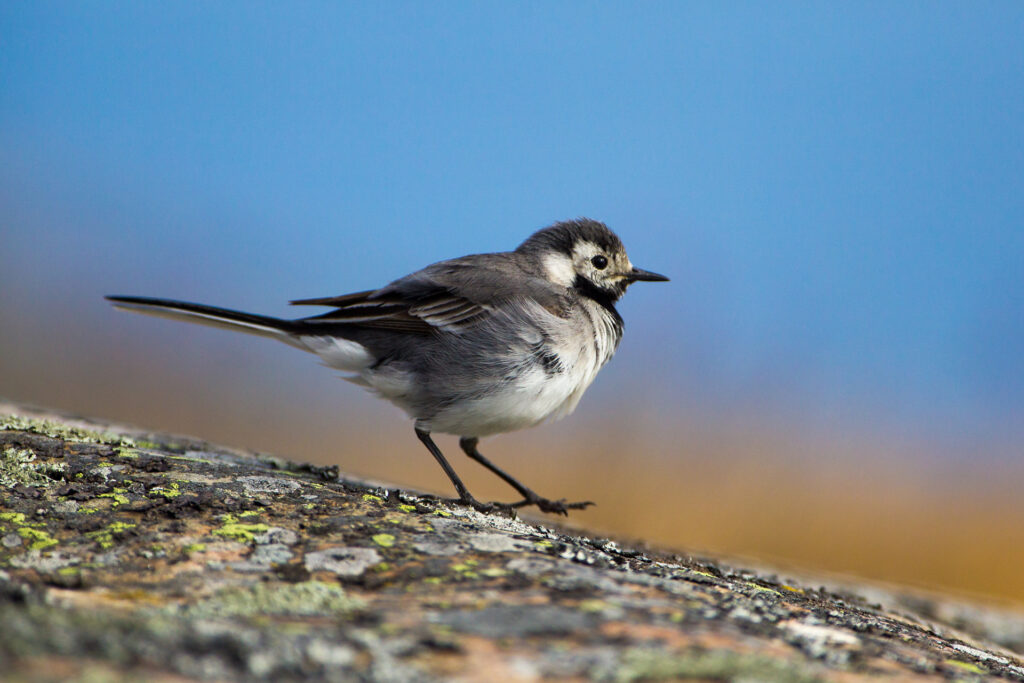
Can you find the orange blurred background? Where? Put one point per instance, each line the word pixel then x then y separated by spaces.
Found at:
pixel 830 502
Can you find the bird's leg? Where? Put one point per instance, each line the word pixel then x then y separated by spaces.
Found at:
pixel 469 446
pixel 465 496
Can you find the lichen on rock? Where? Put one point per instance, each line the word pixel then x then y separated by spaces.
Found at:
pixel 127 556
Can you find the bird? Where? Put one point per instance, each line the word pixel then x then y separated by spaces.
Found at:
pixel 472 346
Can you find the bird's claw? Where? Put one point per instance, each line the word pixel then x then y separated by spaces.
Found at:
pixel 485 508
pixel 558 507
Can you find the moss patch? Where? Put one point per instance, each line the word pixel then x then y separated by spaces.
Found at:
pixel 105 536
pixel 714 665
pixel 384 540
pixel 57 430
pixel 18 466
pixel 243 533
pixel 37 538
pixel 172 490
pixel 307 598
pixel 13 517
pixel 966 667
pixel 117 496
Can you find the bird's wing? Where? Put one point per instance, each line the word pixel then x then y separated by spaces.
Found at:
pixel 430 309
pixel 450 296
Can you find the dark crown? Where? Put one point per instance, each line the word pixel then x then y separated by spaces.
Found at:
pixel 563 236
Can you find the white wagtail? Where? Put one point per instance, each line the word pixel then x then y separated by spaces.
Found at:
pixel 473 346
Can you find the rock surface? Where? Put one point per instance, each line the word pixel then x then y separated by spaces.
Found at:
pixel 128 556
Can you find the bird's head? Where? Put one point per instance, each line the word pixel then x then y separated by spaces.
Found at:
pixel 584 254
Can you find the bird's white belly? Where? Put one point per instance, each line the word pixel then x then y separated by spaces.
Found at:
pixel 535 391
pixel 533 397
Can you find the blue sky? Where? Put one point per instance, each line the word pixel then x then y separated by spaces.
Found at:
pixel 836 189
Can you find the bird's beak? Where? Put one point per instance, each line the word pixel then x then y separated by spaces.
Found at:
pixel 647 276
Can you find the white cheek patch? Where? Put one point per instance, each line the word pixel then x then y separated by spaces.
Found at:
pixel 559 269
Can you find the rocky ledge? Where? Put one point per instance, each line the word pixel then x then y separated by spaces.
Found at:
pixel 126 556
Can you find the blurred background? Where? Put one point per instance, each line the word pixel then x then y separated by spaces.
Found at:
pixel 832 380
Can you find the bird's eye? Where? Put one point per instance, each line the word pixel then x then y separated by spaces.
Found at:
pixel 600 262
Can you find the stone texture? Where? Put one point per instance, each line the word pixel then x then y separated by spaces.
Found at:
pixel 132 556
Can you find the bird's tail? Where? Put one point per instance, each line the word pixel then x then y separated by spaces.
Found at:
pixel 262 325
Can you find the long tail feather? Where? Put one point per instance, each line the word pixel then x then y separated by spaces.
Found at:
pixel 262 325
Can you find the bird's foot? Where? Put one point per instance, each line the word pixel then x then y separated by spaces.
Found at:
pixel 494 506
pixel 558 507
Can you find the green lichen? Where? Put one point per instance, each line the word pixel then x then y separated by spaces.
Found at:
pixel 965 666
pixel 467 569
pixel 57 430
pixel 13 517
pixel 172 490
pixel 117 496
pixel 105 537
pixel 681 573
pixel 19 467
pixel 384 540
pixel 494 572
pixel 306 598
pixel 195 548
pixel 37 538
pixel 593 605
pixel 369 497
pixel 407 508
pixel 442 513
pixel 710 665
pixel 243 533
pixel 187 458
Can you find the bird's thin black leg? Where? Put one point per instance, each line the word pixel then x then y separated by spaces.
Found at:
pixel 469 446
pixel 464 495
